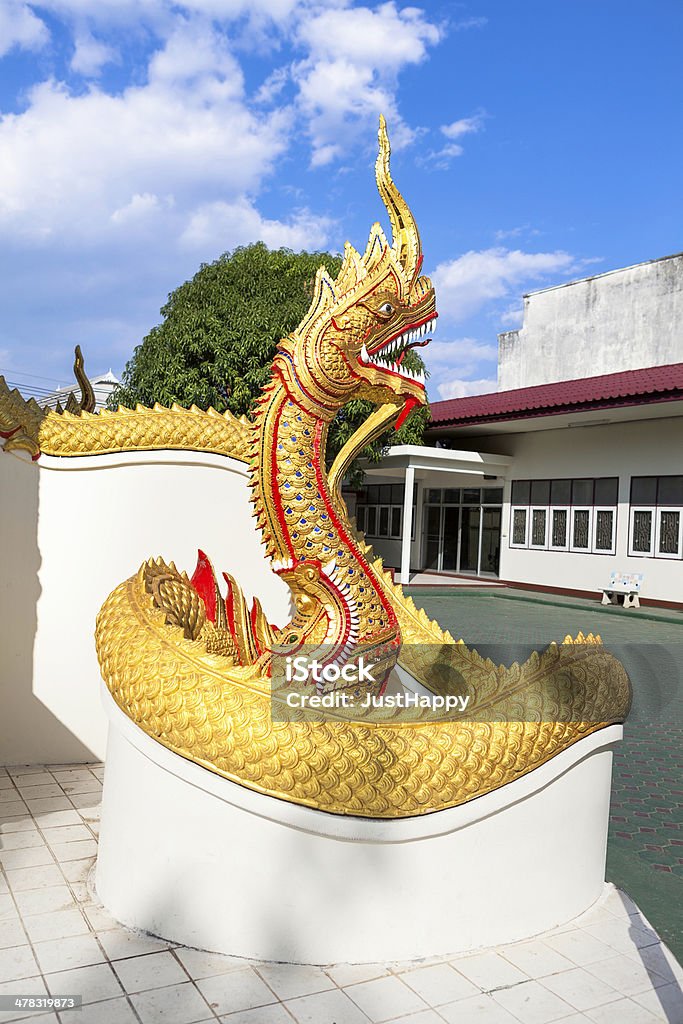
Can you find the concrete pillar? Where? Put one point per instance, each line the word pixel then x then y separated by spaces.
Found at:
pixel 407 524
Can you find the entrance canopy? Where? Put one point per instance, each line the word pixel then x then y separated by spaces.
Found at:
pixel 432 468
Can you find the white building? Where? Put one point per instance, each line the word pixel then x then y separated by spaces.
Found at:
pixel 574 469
pixel 102 386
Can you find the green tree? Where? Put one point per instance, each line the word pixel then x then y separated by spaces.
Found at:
pixel 217 339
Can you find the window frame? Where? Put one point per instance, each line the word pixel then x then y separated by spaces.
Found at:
pixel 660 509
pixel 553 509
pixel 572 546
pixel 527 520
pixel 652 509
pixel 538 508
pixel 612 550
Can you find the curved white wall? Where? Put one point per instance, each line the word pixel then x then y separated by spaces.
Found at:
pixel 74 528
pixel 197 859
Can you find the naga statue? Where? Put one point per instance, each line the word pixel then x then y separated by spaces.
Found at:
pixel 194 669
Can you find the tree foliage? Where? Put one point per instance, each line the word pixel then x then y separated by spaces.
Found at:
pixel 217 339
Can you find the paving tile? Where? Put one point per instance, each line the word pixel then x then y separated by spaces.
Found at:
pixel 153 970
pixel 7 907
pixel 535 958
pixel 112 1011
pixel 91 785
pixel 660 960
pixel 625 1011
pixel 23 879
pixel 439 984
pixel 4 888
pixel 121 942
pixel 22 987
pixel 200 964
pixel 66 834
pixel 23 840
pixel 581 989
pixel 666 1003
pixel 24 769
pixel 481 1009
pixel 63 954
pixel 623 935
pixel 42 778
pixel 31 858
pixel 237 990
pixel 11 933
pixel 59 924
pixel 488 971
pixel 325 1006
pixel 9 794
pixel 352 974
pixel 52 803
pixel 177 1004
pixel 100 920
pixel 52 819
pixel 625 975
pixel 424 1017
pixel 71 774
pixel 77 870
pixel 44 900
pixel 579 947
pixel 532 1003
pixel 16 823
pixel 13 809
pixel 385 998
pixel 40 792
pixel 17 962
pixel 75 851
pixel 93 983
pixel 291 980
pixel 274 1014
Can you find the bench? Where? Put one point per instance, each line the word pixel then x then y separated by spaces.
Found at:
pixel 626 585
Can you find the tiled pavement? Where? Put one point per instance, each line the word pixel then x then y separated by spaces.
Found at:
pixel 645 848
pixel 608 967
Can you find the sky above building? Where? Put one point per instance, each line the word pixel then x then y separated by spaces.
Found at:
pixel 536 143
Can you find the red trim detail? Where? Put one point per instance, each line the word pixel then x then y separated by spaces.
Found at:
pixel 204 582
pixel 410 403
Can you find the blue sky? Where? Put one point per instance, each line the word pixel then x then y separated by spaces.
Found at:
pixel 536 142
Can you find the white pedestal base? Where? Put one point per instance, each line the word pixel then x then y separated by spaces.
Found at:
pixel 196 859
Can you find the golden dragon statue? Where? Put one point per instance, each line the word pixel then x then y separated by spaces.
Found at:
pixel 196 670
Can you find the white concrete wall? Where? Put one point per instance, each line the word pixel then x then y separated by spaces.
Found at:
pixel 617 321
pixel 638 448
pixel 72 530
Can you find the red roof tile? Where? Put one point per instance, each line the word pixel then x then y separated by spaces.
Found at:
pixel 610 390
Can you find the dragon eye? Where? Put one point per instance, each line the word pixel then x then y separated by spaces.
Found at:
pixel 386 307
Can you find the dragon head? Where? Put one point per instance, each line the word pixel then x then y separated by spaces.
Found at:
pixel 353 341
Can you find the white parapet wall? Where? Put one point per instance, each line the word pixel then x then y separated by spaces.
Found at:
pixel 72 530
pixel 621 320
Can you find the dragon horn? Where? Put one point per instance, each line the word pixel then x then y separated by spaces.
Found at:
pixel 406 237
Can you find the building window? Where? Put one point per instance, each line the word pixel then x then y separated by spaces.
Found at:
pixel 565 515
pixel 656 517
pixel 379 510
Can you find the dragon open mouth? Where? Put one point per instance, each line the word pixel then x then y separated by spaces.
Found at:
pixel 390 354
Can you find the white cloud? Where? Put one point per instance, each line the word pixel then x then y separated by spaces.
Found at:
pixel 90 55
pixel 462 356
pixel 20 27
pixel 513 317
pixel 457 388
pixel 71 161
pixel 467 283
pixel 355 55
pixel 464 126
pixel 241 222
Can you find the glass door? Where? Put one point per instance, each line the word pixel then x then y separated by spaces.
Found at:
pixel 432 537
pixel 469 543
pixel 451 537
pixel 490 540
